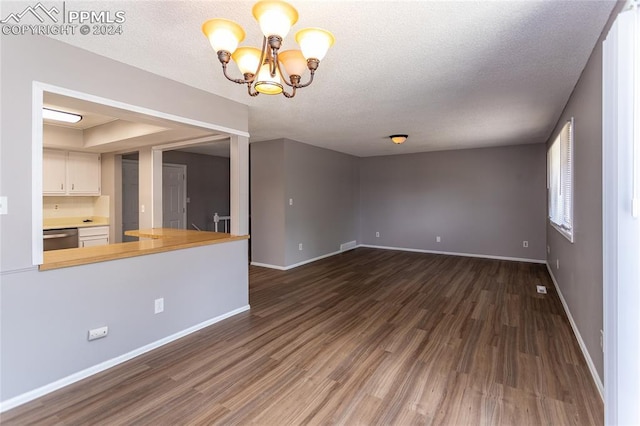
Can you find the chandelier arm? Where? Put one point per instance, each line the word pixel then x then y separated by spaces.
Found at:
pixel 235 80
pixel 252 94
pixel 273 59
pixel 289 95
pixel 262 55
pixel 284 79
pixel 300 86
pixel 274 45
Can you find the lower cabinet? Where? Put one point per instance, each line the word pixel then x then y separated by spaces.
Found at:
pixel 93 236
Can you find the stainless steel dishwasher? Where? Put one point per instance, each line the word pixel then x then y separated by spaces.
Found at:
pixel 56 239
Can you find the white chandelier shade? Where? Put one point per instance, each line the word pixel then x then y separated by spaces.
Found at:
pixel 314 42
pixel 223 34
pixel 247 59
pixel 275 17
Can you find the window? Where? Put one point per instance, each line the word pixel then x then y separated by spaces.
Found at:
pixel 560 181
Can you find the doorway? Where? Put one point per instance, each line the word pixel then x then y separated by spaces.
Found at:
pixel 174 196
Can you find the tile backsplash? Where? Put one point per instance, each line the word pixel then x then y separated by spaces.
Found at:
pixel 63 207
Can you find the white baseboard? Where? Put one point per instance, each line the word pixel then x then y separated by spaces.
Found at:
pixel 448 253
pixel 268 265
pixel 295 265
pixel 583 347
pixel 483 256
pixel 66 381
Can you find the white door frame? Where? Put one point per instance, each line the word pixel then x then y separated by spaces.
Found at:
pixel 621 218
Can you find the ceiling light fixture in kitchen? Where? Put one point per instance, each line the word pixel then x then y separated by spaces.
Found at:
pixel 261 69
pixel 53 114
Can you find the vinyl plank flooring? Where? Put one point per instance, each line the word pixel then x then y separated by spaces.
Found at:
pixel 367 337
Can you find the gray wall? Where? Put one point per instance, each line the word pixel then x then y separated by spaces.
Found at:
pixel 118 293
pixel 324 187
pixel 46 315
pixel 207 186
pixel 268 235
pixel 580 274
pixel 479 201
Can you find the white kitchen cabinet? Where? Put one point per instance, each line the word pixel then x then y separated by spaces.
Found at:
pixel 71 173
pixel 83 173
pixel 91 242
pixel 54 172
pixel 93 236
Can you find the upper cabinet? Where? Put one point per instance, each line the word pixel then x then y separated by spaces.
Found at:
pixel 54 175
pixel 70 173
pixel 83 173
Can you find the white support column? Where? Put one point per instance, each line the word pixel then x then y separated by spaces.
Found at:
pixel 111 185
pixel 150 188
pixel 239 171
pixel 156 188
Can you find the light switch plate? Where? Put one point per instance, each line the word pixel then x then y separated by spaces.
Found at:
pixel 158 305
pixel 4 209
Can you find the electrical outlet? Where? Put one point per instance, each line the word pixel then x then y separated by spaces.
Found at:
pixel 4 208
pixel 525 244
pixel 290 201
pixel 300 246
pixel 142 208
pixel 158 306
pixel 438 239
pixel 541 289
pixel 377 234
pixel 98 333
pixel 548 249
pixel 557 263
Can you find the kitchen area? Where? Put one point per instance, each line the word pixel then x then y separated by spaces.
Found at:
pixel 70 222
pixel 84 185
pixel 75 213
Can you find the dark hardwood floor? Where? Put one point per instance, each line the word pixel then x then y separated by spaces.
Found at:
pixel 365 337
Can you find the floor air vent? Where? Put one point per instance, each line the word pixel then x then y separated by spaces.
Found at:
pixel 348 246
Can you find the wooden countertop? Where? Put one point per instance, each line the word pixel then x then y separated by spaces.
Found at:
pixel 74 222
pixel 160 240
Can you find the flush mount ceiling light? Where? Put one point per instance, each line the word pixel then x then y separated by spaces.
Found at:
pixel 67 117
pixel 398 139
pixel 261 69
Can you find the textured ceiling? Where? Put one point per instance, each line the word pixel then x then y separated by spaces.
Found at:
pixel 450 74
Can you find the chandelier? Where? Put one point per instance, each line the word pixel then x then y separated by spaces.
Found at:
pixel 262 69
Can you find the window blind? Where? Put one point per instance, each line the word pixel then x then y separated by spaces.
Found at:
pixel 560 180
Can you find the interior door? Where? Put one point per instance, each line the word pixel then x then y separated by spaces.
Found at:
pixel 130 215
pixel 174 196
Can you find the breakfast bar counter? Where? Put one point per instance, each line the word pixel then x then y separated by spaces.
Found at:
pixel 158 240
